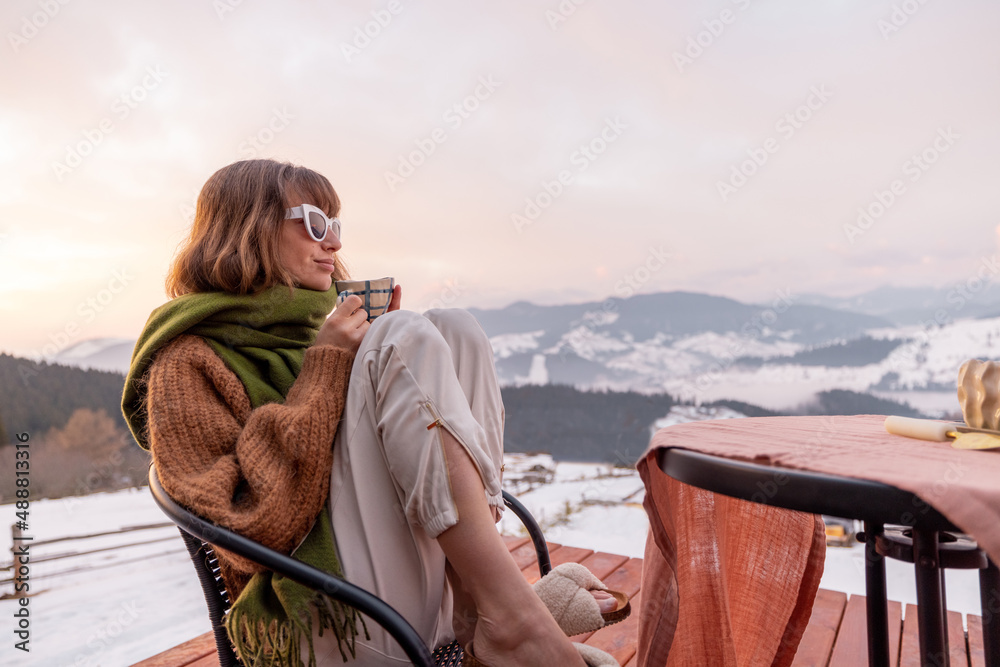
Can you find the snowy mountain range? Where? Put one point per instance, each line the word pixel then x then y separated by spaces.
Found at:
pixel 897 343
pixel 777 355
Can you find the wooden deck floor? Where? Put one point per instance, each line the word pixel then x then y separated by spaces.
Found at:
pixel 835 636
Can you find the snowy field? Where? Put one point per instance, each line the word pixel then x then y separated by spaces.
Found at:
pixel 86 613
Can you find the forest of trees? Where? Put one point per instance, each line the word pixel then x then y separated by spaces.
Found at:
pixel 80 444
pixel 38 396
pixel 580 426
pixel 90 453
pixel 843 402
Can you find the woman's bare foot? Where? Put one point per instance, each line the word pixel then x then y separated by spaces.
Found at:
pixel 528 637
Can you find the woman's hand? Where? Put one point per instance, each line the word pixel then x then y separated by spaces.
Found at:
pixel 394 301
pixel 346 326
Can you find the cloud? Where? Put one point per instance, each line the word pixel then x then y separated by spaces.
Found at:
pixel 352 118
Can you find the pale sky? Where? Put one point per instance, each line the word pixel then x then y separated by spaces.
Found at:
pixel 114 114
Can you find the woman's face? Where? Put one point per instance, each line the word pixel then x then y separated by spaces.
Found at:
pixel 309 262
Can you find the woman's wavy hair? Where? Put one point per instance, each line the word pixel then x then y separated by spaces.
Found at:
pixel 233 244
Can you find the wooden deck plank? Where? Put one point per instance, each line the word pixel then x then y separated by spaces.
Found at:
pixel 851 646
pixel 569 554
pixel 207 661
pixel 958 649
pixel 909 652
pixel 524 555
pixel 513 542
pixel 626 578
pixel 817 641
pixel 602 564
pixel 977 657
pixel 185 654
pixel 562 555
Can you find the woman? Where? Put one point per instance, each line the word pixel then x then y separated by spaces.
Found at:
pixel 240 384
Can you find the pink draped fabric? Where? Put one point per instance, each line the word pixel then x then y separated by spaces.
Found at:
pixel 735 581
pixel 726 582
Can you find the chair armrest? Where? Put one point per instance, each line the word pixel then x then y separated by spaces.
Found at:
pixel 534 530
pixel 307 575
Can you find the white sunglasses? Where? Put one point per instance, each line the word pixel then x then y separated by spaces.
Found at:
pixel 315 220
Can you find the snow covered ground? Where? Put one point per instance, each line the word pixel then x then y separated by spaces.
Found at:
pixel 110 608
pixel 95 614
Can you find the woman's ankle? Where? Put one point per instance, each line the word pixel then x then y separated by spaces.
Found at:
pixel 525 640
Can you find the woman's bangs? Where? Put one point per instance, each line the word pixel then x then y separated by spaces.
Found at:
pixel 317 189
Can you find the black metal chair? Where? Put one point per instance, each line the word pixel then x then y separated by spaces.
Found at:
pixel 200 536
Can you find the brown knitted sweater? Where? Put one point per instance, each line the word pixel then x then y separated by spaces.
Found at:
pixel 263 472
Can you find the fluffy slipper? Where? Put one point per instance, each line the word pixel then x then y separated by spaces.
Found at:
pixel 594 657
pixel 566 592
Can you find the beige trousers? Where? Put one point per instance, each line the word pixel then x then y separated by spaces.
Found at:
pixel 390 493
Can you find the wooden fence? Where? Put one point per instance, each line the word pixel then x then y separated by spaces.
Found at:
pixel 76 548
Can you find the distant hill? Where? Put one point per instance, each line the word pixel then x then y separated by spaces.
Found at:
pixel 103 354
pixel 912 305
pixel 675 314
pixel 858 352
pixel 702 348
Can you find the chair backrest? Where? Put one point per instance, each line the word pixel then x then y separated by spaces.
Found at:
pixel 200 535
pixel 206 565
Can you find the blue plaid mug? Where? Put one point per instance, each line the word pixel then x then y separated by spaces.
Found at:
pixel 375 294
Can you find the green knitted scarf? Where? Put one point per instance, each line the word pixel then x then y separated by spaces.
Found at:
pixel 263 339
